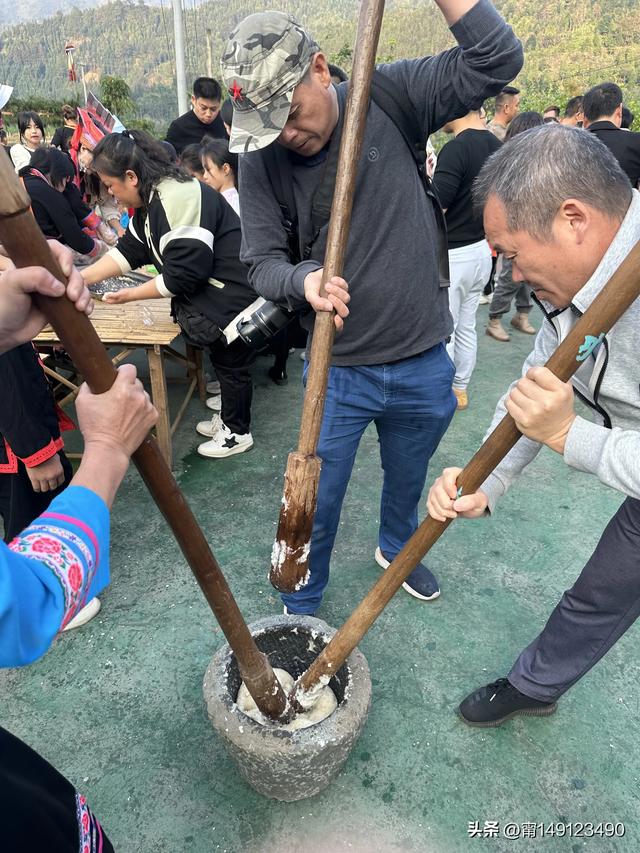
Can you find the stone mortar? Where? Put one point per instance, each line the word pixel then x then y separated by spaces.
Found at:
pixel 280 764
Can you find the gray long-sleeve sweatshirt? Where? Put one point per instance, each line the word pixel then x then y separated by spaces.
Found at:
pixel 608 447
pixel 398 308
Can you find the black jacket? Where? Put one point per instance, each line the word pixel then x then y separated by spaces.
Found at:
pixel 29 427
pixel 623 144
pixel 192 236
pixel 57 213
pixel 189 130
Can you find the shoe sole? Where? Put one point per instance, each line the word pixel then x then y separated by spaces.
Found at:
pixel 83 618
pixel 384 564
pixel 223 454
pixel 500 340
pixel 492 724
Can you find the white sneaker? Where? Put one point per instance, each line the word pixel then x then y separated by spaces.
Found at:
pixel 226 443
pixel 303 355
pixel 91 609
pixel 210 427
pixel 214 403
pixel 213 387
pixel 484 300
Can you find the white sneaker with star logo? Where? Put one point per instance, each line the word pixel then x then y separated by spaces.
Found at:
pixel 226 443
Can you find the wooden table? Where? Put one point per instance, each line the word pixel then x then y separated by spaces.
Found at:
pixel 143 325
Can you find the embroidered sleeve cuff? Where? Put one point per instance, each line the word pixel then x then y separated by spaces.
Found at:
pixel 161 287
pixel 72 540
pixel 92 221
pixel 584 446
pixel 43 454
pixel 478 22
pixel 120 259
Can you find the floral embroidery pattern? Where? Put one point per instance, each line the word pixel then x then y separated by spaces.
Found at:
pixel 59 556
pixel 49 529
pixel 89 829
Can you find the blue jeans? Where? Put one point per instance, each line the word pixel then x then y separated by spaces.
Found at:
pixel 411 403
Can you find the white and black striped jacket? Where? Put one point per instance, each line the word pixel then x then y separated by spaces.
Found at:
pixel 192 236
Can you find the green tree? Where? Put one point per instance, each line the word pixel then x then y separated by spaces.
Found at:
pixel 116 96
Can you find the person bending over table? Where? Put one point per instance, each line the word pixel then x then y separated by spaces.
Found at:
pixel 192 236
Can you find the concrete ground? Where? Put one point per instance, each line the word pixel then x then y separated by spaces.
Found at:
pixel 118 706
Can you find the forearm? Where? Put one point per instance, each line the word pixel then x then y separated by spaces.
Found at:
pixel 101 470
pixel 611 454
pixel 280 281
pixel 104 268
pixel 453 10
pixel 148 290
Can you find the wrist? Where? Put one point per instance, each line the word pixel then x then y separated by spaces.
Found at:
pixel 107 450
pixel 102 469
pixel 557 441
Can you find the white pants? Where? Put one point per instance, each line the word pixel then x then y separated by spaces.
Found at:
pixel 470 268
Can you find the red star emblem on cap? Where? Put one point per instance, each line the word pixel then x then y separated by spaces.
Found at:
pixel 236 92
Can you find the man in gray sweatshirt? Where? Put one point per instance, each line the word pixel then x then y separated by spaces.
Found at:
pixel 389 363
pixel 557 203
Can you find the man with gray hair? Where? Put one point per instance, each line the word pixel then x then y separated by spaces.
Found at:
pixel 389 364
pixel 558 204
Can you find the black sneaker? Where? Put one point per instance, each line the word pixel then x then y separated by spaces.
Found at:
pixel 499 701
pixel 278 376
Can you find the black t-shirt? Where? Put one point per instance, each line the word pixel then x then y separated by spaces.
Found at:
pixel 188 129
pixel 458 165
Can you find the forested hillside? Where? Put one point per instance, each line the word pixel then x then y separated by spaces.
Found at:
pixel 569 44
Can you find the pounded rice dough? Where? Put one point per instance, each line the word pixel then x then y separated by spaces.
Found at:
pixel 323 706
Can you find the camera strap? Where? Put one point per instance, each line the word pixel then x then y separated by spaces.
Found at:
pixel 392 100
pixel 279 170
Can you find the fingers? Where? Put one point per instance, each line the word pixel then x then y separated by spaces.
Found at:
pixel 38 280
pixel 543 378
pixel 62 255
pixel 442 495
pixel 128 374
pixel 449 479
pixel 443 502
pixel 114 298
pixel 78 292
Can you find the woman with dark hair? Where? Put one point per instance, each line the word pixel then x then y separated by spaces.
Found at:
pixel 221 170
pixel 57 204
pixel 191 161
pixel 31 130
pixel 193 237
pixel 523 121
pixel 62 136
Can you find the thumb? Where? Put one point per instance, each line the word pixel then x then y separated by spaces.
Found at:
pixel 468 503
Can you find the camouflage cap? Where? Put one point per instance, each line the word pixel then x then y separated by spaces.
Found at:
pixel 265 58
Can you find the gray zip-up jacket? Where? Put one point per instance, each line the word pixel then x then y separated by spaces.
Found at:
pixel 398 308
pixel 608 381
